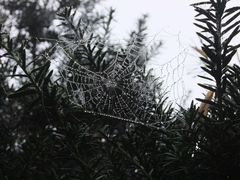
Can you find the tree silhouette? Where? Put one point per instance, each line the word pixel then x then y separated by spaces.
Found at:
pixel 98 114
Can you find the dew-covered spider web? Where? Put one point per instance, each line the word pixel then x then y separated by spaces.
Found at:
pixel 118 89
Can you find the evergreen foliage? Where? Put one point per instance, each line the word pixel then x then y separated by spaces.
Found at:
pixel 45 134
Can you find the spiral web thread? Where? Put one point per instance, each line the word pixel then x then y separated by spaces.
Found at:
pixel 172 74
pixel 114 92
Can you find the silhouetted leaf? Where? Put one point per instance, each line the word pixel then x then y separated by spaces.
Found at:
pixel 42 72
pixel 208 14
pixel 230 11
pixel 230 37
pixel 47 79
pixel 22 93
pixel 228 58
pixel 208 87
pixel 14 70
pixel 211 72
pixel 207 102
pixel 231 19
pixel 210 53
pixel 208 62
pixel 205 29
pixel 207 78
pixel 230 27
pixel 205 38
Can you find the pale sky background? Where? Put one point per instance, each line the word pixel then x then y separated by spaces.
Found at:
pixel 172 22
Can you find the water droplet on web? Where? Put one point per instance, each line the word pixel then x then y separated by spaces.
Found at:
pixel 103 140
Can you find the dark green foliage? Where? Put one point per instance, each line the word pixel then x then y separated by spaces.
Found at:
pixel 220 131
pixel 52 140
pixel 44 136
pixel 218 29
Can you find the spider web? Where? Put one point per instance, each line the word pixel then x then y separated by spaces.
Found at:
pixel 116 91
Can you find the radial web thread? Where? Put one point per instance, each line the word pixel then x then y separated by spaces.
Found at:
pixel 117 91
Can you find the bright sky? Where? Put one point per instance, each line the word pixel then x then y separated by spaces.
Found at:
pixel 172 22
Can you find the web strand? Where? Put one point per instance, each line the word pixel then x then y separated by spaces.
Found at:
pixel 115 92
